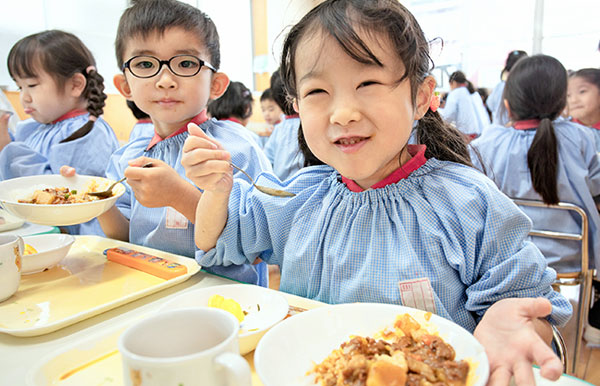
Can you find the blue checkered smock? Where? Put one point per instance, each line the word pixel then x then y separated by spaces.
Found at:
pixel 446 222
pixel 282 149
pixel 147 226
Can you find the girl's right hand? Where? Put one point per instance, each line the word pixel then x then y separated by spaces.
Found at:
pixel 4 135
pixel 206 163
pixel 67 171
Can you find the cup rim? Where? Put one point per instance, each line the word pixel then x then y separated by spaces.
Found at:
pixel 15 238
pixel 167 361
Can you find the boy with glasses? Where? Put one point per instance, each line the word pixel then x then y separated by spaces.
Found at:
pixel 168 52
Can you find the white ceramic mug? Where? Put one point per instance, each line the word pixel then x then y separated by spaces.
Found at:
pixel 191 346
pixel 11 251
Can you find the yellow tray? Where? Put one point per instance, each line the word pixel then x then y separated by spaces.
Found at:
pixel 96 360
pixel 82 285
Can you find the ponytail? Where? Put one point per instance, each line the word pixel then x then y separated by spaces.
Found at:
pixel 95 96
pixel 443 141
pixel 542 159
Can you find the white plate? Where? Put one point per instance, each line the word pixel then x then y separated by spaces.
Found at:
pixel 13 190
pixel 299 342
pixel 264 308
pixel 9 222
pixel 51 249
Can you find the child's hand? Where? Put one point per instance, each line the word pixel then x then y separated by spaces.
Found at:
pixel 508 333
pixel 67 171
pixel 156 186
pixel 205 162
pixel 4 136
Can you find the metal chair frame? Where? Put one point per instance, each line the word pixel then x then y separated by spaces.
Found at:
pixel 583 278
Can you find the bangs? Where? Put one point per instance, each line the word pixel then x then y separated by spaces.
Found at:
pixel 24 59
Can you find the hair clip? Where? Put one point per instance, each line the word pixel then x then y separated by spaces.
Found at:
pixel 434 104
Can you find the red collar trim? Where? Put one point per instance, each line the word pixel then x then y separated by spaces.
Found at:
pixel 70 114
pixel 144 120
pixel 233 120
pixel 292 116
pixel 527 124
pixel 198 120
pixel 418 159
pixel 594 126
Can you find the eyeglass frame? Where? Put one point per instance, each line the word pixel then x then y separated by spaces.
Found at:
pixel 161 63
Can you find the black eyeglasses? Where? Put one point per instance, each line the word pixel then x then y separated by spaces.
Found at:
pixel 145 66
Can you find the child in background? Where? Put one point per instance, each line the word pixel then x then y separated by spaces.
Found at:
pixel 378 216
pixel 64 94
pixel 583 99
pixel 544 158
pixel 169 54
pixel 495 102
pixel 461 107
pixel 282 146
pixel 271 111
pixel 234 105
pixel 143 126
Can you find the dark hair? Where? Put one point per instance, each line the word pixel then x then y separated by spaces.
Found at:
pixel 280 95
pixel 61 55
pixel 145 17
pixel 460 78
pixel 236 102
pixel 137 113
pixel 512 59
pixel 537 89
pixel 267 95
pixel 341 19
pixel 590 75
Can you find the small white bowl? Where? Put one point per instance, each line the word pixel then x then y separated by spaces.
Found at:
pixel 15 189
pixel 51 249
pixel 265 307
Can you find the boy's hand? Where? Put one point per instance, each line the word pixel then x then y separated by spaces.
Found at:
pixel 205 162
pixel 4 136
pixel 155 186
pixel 67 171
pixel 508 333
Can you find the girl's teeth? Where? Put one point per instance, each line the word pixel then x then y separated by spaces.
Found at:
pixel 349 141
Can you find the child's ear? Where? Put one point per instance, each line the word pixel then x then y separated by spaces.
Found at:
pixel 76 85
pixel 121 84
pixel 295 105
pixel 218 85
pixel 424 94
pixel 507 108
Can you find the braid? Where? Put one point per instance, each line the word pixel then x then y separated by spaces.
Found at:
pixel 94 93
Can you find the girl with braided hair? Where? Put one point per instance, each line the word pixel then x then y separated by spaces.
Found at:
pixel 63 93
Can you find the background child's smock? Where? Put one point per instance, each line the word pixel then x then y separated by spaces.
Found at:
pixel 483 118
pixel 495 103
pixel 142 129
pixel 37 150
pixel 166 229
pixel 595 129
pixel 460 111
pixel 282 148
pixel 504 153
pixel 445 224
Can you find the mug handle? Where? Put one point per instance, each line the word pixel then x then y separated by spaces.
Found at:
pixel 237 368
pixel 21 244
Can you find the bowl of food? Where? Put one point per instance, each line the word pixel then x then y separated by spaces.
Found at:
pixel 56 200
pixel 257 308
pixel 368 342
pixel 44 251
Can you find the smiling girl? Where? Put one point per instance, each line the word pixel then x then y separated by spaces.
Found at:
pixel 583 99
pixel 376 219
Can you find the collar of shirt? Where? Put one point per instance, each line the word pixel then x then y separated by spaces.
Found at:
pixel 70 114
pixel 144 120
pixel 292 116
pixel 198 120
pixel 594 126
pixel 526 124
pixel 233 120
pixel 418 159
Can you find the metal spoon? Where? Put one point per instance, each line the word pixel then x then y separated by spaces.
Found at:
pixel 108 192
pixel 265 189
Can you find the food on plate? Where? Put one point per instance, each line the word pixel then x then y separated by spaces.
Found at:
pixel 29 250
pixel 405 354
pixel 229 305
pixel 61 195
